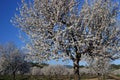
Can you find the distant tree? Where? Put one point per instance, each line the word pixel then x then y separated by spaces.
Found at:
pixel 100 67
pixel 12 60
pixel 69 28
pixel 24 67
pixel 40 65
pixel 107 48
pixel 55 70
pixel 115 66
pixel 36 71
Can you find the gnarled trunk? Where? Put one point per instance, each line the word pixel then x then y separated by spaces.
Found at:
pixel 76 69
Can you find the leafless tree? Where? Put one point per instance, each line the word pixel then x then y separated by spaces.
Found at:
pixel 69 28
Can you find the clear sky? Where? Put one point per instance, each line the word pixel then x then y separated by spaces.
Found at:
pixel 7 31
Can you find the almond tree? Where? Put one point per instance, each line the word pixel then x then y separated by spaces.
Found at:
pixel 101 67
pixel 12 60
pixel 106 41
pixel 66 28
pixel 56 70
pixel 105 51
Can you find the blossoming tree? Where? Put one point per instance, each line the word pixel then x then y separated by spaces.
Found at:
pixel 67 28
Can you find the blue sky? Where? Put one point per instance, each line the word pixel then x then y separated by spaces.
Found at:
pixel 7 31
pixel 10 33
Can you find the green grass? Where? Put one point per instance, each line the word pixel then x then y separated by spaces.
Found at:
pixel 27 77
pixel 10 77
pixel 118 75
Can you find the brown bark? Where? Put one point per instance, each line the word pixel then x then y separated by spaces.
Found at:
pixel 76 69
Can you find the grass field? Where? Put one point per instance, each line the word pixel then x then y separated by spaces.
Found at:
pixel 26 77
pixel 20 77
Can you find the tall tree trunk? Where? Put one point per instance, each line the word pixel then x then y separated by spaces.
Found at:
pixel 14 75
pixel 76 69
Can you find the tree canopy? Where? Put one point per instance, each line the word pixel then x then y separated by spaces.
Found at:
pixel 69 29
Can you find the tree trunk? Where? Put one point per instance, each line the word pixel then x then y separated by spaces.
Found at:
pixel 101 77
pixel 76 69
pixel 14 75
